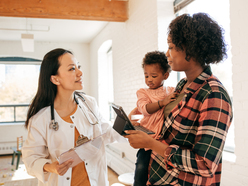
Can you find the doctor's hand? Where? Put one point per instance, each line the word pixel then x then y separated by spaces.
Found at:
pixel 57 168
pixel 139 139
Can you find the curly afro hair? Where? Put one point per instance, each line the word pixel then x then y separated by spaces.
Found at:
pixel 200 36
pixel 157 57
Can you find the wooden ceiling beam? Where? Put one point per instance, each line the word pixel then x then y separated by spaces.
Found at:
pixel 99 10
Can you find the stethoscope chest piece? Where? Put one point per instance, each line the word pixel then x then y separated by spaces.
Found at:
pixel 54 125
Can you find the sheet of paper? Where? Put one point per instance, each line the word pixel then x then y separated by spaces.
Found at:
pixel 97 142
pixel 71 154
pixel 94 144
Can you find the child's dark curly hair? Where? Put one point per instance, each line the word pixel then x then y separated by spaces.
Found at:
pixel 157 57
pixel 200 37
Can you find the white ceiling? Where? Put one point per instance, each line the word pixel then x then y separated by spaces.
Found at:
pixel 53 30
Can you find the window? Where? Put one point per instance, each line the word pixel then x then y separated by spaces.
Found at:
pixel 219 11
pixel 105 80
pixel 18 85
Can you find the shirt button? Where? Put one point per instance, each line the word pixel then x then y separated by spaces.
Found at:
pixel 68 178
pixel 72 117
pixel 71 126
pixel 86 163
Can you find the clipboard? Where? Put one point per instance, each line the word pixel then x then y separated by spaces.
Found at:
pixel 72 153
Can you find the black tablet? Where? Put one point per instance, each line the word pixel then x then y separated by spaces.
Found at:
pixel 123 123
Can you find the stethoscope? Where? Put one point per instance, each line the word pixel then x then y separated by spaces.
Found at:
pixel 91 117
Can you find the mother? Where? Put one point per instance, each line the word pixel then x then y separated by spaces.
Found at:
pixel 194 132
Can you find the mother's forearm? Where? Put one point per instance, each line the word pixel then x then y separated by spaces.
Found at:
pixel 158 147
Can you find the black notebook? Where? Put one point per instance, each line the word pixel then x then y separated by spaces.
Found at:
pixel 123 123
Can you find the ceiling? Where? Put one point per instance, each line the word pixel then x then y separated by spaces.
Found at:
pixel 53 30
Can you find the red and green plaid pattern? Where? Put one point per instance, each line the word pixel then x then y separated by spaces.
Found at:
pixel 196 131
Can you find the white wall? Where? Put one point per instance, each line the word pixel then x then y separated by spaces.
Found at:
pixel 8 136
pixel 165 15
pixel 236 173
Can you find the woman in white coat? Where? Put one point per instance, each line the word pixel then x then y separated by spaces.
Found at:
pixel 60 77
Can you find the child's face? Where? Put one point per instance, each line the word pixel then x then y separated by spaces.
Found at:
pixel 154 76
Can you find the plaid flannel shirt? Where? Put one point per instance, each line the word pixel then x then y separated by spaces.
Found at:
pixel 196 131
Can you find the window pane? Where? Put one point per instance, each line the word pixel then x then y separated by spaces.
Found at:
pixel 18 85
pixel 6 114
pixel 105 80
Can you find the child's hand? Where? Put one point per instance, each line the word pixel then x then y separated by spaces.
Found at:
pixel 134 112
pixel 168 99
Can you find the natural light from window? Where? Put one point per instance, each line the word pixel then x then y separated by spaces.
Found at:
pixel 105 80
pixel 18 85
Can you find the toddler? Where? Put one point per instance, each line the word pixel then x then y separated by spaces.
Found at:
pixel 151 102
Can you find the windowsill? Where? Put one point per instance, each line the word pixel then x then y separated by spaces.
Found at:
pixel 13 123
pixel 229 156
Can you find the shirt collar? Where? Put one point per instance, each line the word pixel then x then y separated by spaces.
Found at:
pixel 197 83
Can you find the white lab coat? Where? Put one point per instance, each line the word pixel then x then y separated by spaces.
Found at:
pixel 44 145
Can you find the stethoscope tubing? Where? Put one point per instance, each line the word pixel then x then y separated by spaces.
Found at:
pixel 54 125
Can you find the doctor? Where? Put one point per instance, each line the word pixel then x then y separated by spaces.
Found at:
pixel 60 77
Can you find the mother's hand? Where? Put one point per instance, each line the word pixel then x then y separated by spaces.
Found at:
pixel 139 139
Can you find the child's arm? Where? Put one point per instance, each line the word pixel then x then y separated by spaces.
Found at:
pixel 154 107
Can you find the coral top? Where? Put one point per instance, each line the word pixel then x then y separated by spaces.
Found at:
pixel 153 121
pixel 79 173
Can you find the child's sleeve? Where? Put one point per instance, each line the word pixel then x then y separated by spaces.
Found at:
pixel 143 99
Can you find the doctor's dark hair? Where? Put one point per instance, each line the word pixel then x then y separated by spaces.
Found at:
pixel 156 57
pixel 200 36
pixel 47 91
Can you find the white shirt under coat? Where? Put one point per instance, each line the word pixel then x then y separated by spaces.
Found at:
pixel 44 145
